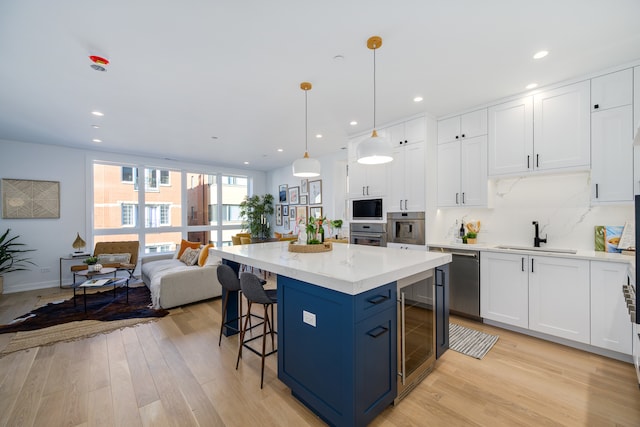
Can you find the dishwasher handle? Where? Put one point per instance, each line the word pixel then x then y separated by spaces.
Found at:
pixel 464 254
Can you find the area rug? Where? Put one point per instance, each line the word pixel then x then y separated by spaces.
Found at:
pixel 469 341
pixel 62 321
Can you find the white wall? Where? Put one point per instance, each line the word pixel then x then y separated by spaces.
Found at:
pixel 52 238
pixel 333 174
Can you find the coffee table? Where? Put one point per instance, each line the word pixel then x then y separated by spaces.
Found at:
pixel 88 275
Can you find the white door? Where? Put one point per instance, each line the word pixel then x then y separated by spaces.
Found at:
pixel 510 147
pixel 473 171
pixel 561 128
pixel 449 174
pixel 504 294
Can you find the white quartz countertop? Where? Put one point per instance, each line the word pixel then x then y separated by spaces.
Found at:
pixel 580 254
pixel 350 269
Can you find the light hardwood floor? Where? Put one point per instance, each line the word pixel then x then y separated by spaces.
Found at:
pixel 172 372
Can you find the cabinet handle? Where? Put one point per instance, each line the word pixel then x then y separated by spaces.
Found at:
pixel 367 190
pixel 596 106
pixel 377 331
pixel 378 299
pixel 405 204
pixel 363 191
pixel 457 199
pixel 442 277
pixel 532 265
pixel 463 197
pixel 596 191
pixel 528 158
pixel 522 263
pixel 537 160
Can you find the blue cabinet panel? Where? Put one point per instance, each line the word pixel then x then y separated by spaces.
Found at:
pixel 442 310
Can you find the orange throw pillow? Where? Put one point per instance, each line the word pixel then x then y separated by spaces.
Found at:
pixel 204 254
pixel 187 244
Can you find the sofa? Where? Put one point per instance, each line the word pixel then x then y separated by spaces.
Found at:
pixel 173 283
pixel 119 255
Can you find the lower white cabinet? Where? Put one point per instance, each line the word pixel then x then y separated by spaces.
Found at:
pixel 504 288
pixel 610 324
pixel 559 297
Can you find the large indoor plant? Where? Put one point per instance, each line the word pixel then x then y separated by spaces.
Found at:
pixel 255 212
pixel 12 256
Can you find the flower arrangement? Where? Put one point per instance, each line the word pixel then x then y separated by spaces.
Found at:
pixel 315 230
pixel 472 234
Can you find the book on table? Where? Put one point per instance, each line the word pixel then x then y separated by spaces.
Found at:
pixel 96 283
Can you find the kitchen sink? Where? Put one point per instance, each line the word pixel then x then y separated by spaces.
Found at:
pixel 548 250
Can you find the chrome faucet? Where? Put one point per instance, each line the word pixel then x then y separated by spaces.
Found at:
pixel 537 240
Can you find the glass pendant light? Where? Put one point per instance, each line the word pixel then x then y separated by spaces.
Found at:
pixel 374 150
pixel 306 167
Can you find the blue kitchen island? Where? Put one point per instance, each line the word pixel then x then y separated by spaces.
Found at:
pixel 337 322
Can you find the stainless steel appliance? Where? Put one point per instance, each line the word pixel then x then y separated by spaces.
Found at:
pixel 423 326
pixel 464 282
pixel 371 234
pixel 405 227
pixel 367 209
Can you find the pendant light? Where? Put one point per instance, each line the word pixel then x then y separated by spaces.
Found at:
pixel 306 167
pixel 374 150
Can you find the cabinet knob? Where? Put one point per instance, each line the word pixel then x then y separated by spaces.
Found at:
pixel 405 141
pixel 457 137
pixel 463 135
pixel 596 106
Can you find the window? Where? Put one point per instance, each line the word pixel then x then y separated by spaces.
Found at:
pixel 151 179
pixel 157 215
pixel 129 215
pixel 165 177
pixel 129 174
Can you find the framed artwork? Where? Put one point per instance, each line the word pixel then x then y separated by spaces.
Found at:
pixel 315 192
pixel 304 199
pixel 304 186
pixel 301 215
pixel 26 198
pixel 294 194
pixel 285 210
pixel 279 215
pixel 315 212
pixel 282 193
pixel 285 222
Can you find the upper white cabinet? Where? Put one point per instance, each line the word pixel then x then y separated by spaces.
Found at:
pixel 365 180
pixel 610 325
pixel 612 138
pixel 551 135
pixel 511 137
pixel 462 172
pixel 561 128
pixel 407 187
pixel 612 90
pixel 467 125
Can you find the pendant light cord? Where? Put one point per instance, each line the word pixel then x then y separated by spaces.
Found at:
pixel 306 123
pixel 374 88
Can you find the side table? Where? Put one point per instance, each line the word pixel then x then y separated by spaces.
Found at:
pixel 78 258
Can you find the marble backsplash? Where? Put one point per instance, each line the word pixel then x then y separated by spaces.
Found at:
pixel 560 203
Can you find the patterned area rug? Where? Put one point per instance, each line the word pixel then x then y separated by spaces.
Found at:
pixel 63 321
pixel 470 342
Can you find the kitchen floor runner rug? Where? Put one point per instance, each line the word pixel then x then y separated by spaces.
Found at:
pixel 469 341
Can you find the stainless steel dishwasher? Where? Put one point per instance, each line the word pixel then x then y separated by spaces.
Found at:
pixel 464 281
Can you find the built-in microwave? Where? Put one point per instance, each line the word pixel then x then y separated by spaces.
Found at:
pixel 367 209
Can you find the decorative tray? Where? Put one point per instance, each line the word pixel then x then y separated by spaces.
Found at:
pixel 322 247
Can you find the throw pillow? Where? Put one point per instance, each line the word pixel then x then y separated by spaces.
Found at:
pixel 114 258
pixel 187 244
pixel 190 256
pixel 204 254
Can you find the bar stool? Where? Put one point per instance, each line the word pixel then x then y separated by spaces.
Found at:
pixel 230 283
pixel 255 293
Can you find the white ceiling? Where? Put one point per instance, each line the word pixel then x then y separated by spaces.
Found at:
pixel 182 72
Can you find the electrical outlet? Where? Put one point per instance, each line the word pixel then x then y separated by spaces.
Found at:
pixel 45 270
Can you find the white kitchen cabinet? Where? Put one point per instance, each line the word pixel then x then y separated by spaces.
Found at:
pixel 467 125
pixel 612 90
pixel 612 155
pixel 407 181
pixel 462 172
pixel 365 180
pixel 561 128
pixel 510 147
pixel 504 288
pixel 559 301
pixel 610 325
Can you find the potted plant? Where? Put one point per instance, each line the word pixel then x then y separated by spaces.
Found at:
pixel 255 212
pixel 471 237
pixel 12 256
pixel 91 263
pixel 336 224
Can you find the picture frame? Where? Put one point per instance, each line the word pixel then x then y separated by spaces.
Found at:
pixel 294 195
pixel 304 199
pixel 315 192
pixel 304 186
pixel 279 215
pixel 285 210
pixel 315 212
pixel 301 215
pixel 285 223
pixel 282 193
pixel 30 199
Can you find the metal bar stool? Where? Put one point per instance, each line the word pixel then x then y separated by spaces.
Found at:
pixel 254 293
pixel 230 283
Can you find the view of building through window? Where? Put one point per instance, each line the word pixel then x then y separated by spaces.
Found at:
pixel 210 213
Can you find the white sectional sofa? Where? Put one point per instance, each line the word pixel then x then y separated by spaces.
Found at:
pixel 172 283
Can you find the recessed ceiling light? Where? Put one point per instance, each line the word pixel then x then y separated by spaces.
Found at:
pixel 96 140
pixel 280 150
pixel 417 99
pixel 246 163
pixel 531 86
pixel 353 123
pixel 97 113
pixel 214 137
pixel 95 126
pixel 338 58
pixel 540 54
pixel 319 135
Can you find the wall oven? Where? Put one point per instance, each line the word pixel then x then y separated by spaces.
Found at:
pixel 370 234
pixel 406 228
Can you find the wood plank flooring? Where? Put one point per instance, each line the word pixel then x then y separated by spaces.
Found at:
pixel 172 373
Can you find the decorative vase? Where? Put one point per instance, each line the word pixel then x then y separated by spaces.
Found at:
pixel 471 241
pixel 91 268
